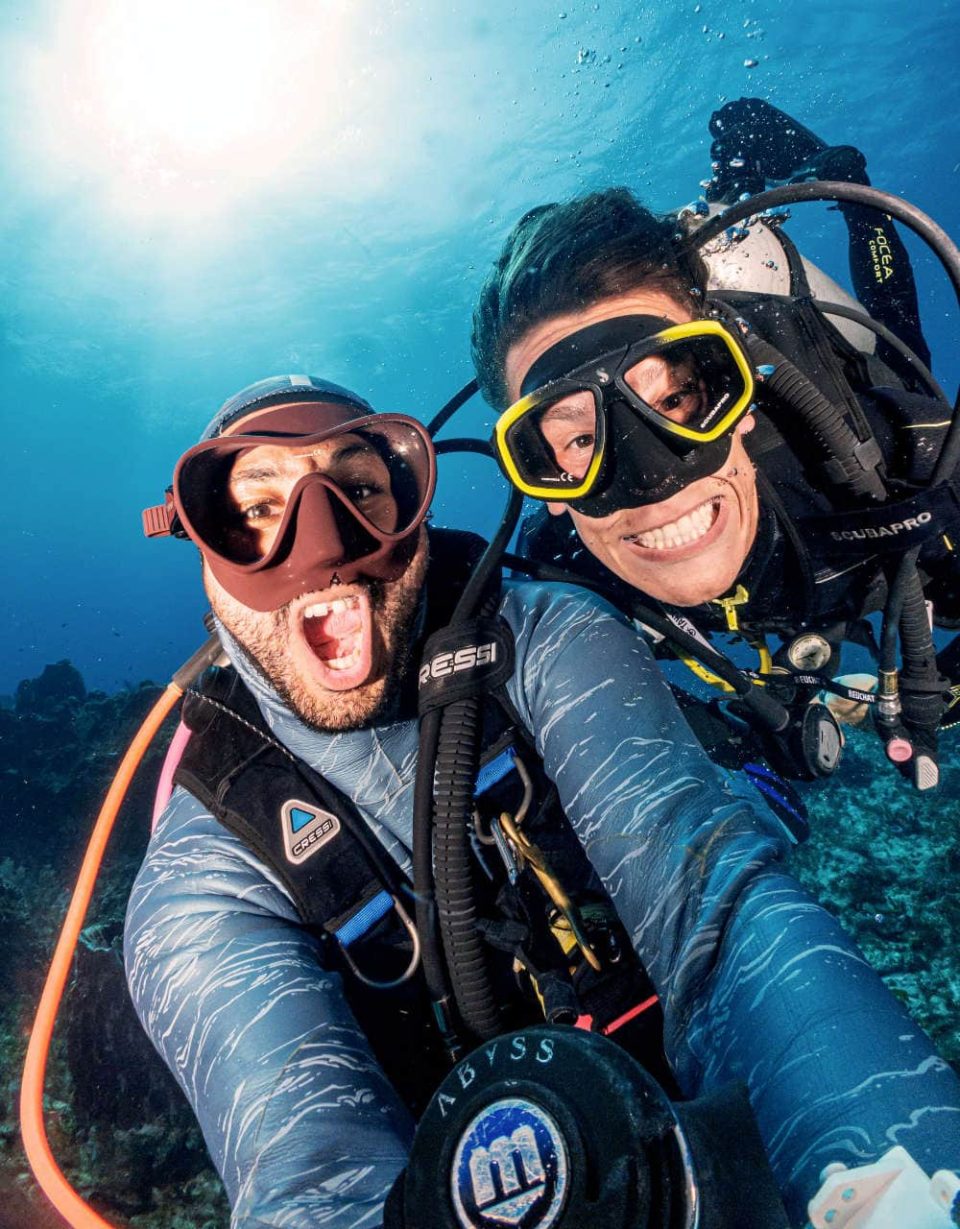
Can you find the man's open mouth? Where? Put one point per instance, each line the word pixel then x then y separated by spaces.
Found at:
pixel 334 630
pixel 688 528
pixel 339 633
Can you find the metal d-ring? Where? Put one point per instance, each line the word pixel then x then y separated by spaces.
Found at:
pixel 414 957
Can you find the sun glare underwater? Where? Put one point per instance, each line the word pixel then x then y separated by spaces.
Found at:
pixel 201 194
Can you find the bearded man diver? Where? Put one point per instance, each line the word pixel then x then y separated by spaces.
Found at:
pixel 308 511
pixel 645 413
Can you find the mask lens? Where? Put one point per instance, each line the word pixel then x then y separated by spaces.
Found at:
pixel 238 496
pixel 555 444
pixel 692 386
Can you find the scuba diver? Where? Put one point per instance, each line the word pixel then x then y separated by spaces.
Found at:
pixel 745 460
pixel 315 963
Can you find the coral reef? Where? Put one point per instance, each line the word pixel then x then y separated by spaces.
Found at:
pixel 119 1126
pixel 885 860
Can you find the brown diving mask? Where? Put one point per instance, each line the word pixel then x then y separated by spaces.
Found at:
pixel 304 495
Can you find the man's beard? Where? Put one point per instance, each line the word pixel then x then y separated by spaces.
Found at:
pixel 263 639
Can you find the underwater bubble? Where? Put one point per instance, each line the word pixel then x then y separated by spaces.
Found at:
pixel 697 8
pixel 721 35
pixel 706 183
pixel 736 163
pixel 750 63
pixel 562 16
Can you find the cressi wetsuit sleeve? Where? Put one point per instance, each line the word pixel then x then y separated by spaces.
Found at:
pixel 758 982
pixel 298 1117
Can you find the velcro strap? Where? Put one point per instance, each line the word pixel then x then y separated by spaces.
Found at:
pixel 158 521
pixel 889 527
pixel 463 660
pixel 493 772
pixel 362 919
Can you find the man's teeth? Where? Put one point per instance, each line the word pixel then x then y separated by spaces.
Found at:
pixel 321 609
pixel 343 663
pixel 678 533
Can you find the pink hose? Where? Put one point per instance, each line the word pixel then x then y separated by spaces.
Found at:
pixel 165 784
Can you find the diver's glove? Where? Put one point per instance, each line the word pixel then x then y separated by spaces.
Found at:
pixel 840 163
pixel 756 145
pixel 754 142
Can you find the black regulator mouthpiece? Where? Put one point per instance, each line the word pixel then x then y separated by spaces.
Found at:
pixel 558 1128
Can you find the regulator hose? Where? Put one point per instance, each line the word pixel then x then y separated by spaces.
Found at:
pixel 905 610
pixel 850 462
pixel 933 235
pixel 431 951
pixel 456 769
pixel 892 340
pixel 457 965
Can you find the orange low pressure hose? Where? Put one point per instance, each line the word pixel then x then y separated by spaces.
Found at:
pixel 45 1169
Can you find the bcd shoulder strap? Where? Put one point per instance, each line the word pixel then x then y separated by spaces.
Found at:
pixel 308 833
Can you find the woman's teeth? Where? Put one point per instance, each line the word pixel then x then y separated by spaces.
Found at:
pixel 679 533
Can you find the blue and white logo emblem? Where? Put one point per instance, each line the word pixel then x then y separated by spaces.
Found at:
pixel 305 829
pixel 510 1168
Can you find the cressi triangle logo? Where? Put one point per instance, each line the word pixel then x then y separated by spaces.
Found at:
pixel 305 829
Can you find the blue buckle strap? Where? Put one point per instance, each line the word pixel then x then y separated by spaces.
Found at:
pixel 364 919
pixel 494 771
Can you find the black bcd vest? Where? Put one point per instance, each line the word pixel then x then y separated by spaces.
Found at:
pixel 357 903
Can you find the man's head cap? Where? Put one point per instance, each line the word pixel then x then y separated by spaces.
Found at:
pixel 279 390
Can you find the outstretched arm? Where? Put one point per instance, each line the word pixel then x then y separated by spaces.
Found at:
pixel 758 982
pixel 299 1119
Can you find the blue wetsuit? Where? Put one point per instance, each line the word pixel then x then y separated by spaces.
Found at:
pixel 758 983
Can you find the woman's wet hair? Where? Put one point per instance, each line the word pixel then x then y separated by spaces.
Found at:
pixel 564 257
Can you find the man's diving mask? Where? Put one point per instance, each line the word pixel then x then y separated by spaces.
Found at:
pixel 302 496
pixel 650 411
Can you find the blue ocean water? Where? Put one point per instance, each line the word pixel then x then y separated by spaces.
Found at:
pixel 200 195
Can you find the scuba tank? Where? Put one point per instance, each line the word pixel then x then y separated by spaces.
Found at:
pixel 753 256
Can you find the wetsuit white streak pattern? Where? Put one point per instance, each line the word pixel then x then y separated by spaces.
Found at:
pixel 758 983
